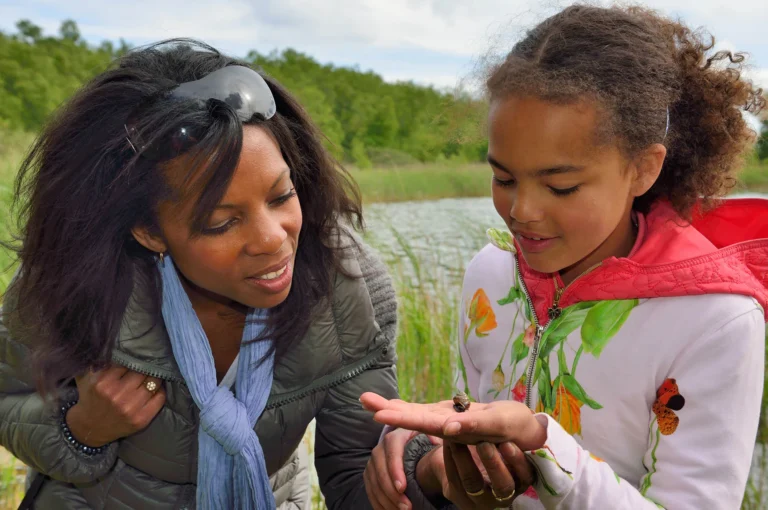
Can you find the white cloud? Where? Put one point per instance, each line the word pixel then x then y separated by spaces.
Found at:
pixel 420 30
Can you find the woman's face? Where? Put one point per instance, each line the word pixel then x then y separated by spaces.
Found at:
pixel 246 252
pixel 566 199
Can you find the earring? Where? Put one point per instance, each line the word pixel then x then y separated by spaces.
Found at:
pixel 162 257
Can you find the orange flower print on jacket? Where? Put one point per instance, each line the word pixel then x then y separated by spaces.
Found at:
pixel 519 390
pixel 668 400
pixel 567 410
pixel 481 317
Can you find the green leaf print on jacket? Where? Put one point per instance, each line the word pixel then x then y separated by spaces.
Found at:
pixel 599 322
pixel 603 321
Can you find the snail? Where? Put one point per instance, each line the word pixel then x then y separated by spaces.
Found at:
pixel 461 402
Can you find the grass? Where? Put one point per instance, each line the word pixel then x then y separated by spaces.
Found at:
pixel 423 182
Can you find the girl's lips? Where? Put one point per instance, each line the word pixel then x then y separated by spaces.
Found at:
pixel 530 245
pixel 274 285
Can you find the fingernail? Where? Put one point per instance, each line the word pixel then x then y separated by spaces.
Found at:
pixel 486 451
pixel 399 487
pixel 402 506
pixel 452 429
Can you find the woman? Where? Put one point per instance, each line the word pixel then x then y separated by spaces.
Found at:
pixel 188 301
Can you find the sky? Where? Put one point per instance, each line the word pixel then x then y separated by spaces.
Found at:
pixel 432 42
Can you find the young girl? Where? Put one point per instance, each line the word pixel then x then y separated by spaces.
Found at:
pixel 187 286
pixel 627 308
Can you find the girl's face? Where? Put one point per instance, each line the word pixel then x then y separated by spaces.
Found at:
pixel 566 199
pixel 246 252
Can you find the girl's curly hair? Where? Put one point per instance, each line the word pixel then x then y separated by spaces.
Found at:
pixel 644 70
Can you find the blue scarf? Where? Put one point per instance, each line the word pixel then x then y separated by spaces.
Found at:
pixel 231 470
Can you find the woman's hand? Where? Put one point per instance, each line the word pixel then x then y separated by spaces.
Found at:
pixel 113 403
pixel 496 423
pixel 384 475
pixel 485 478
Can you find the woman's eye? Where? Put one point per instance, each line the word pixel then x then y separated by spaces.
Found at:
pixel 564 191
pixel 220 228
pixel 284 198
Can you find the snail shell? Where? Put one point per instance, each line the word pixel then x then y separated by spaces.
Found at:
pixel 461 402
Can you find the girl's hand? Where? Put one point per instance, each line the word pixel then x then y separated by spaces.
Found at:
pixel 496 423
pixel 113 403
pixel 487 477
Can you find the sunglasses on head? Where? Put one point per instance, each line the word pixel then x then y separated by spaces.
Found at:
pixel 240 87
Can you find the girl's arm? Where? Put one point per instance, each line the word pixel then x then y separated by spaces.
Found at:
pixel 703 461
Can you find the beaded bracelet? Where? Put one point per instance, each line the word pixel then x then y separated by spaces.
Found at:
pixel 87 450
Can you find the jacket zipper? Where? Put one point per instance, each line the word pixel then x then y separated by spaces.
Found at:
pixel 330 380
pixel 120 359
pixel 553 312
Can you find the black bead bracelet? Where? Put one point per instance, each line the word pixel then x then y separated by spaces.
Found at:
pixel 80 447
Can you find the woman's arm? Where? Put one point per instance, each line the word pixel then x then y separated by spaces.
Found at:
pixel 30 427
pixel 346 434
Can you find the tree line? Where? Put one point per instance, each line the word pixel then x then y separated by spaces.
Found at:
pixel 366 120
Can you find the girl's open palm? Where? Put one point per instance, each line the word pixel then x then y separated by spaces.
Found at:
pixel 496 422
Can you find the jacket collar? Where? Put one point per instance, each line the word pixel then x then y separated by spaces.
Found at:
pixel 722 252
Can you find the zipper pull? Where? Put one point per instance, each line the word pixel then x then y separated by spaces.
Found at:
pixel 555 310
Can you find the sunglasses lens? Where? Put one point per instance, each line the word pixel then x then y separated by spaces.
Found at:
pixel 241 88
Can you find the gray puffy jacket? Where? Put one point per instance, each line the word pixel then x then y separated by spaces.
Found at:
pixel 349 349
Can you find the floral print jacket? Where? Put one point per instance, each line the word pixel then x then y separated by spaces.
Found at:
pixel 650 368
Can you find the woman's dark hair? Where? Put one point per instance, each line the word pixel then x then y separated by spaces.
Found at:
pixel 638 66
pixel 82 189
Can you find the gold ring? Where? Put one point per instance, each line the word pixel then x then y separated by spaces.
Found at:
pixel 501 500
pixel 475 494
pixel 151 386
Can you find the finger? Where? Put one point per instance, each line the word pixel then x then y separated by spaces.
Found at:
pixel 427 422
pixel 142 393
pixel 471 478
pixel 394 449
pixel 495 426
pixel 377 490
pixel 109 374
pixel 437 441
pixel 373 402
pixel 372 488
pixel 153 406
pixel 145 384
pixel 381 474
pixel 454 491
pixel 520 466
pixel 132 380
pixel 500 477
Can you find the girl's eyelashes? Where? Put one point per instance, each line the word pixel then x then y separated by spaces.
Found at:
pixel 502 182
pixel 561 192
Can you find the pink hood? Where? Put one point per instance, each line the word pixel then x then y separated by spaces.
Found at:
pixel 723 252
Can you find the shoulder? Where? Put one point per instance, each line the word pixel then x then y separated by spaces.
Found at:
pixel 715 325
pixel 490 268
pixel 364 304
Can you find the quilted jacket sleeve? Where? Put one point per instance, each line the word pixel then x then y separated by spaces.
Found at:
pixel 365 311
pixel 29 425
